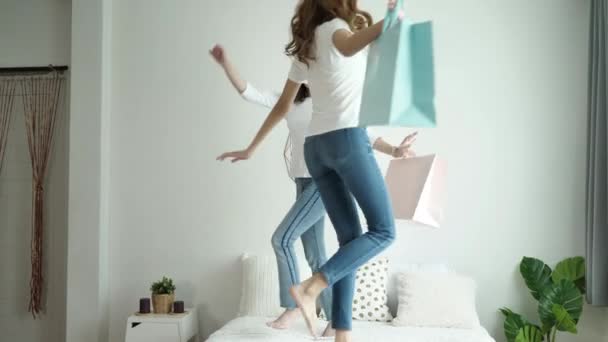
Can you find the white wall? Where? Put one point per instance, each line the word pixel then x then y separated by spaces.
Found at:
pixel 88 279
pixel 32 33
pixel 511 82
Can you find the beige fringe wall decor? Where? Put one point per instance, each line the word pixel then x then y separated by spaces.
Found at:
pixel 41 89
pixel 7 97
pixel 41 99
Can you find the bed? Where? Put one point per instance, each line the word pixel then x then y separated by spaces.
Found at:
pixel 424 303
pixel 255 329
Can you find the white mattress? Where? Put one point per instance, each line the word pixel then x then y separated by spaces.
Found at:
pixel 255 329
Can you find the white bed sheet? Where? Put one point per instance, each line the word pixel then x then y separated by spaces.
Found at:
pixel 255 329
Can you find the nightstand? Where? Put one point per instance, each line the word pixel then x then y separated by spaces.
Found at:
pixel 163 328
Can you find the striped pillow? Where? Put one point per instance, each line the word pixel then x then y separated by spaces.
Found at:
pixel 260 288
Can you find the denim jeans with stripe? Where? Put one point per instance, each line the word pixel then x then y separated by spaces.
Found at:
pixel 304 220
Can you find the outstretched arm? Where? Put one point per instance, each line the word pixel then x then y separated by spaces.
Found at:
pixel 219 55
pixel 244 88
pixel 349 44
pixel 404 150
pixel 277 113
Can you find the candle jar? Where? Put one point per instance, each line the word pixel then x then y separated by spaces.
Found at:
pixel 178 307
pixel 144 305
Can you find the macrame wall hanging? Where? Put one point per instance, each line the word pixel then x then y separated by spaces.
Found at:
pixel 41 91
pixel 7 98
pixel 41 99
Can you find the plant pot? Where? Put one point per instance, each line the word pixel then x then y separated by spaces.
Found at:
pixel 162 303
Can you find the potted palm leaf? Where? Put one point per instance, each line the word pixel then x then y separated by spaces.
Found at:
pixel 559 293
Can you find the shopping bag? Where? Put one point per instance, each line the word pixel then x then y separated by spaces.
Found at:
pixel 417 189
pixel 399 88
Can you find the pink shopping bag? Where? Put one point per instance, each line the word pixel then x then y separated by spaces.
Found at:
pixel 417 189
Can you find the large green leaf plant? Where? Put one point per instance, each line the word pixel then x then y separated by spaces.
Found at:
pixel 559 293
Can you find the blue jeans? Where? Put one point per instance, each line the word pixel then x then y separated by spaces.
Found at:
pixel 344 168
pixel 305 219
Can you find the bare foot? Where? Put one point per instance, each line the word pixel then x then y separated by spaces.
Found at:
pixel 329 331
pixel 307 304
pixel 343 336
pixel 284 321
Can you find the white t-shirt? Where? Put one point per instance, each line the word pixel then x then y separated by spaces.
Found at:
pixel 297 119
pixel 297 123
pixel 336 82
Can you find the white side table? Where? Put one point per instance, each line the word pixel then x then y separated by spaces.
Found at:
pixel 163 328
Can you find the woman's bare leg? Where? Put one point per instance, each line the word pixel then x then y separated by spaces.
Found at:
pixel 305 295
pixel 329 331
pixel 343 336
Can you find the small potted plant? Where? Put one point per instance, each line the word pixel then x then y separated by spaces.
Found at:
pixel 163 295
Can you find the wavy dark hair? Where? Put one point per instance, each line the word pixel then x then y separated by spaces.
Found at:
pixel 302 95
pixel 312 13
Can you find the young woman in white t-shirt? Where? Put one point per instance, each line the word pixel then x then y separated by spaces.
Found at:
pixel 328 39
pixel 306 217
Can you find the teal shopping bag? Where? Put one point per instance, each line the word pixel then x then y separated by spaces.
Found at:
pixel 399 88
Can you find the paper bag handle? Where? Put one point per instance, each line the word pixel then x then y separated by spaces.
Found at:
pixel 392 16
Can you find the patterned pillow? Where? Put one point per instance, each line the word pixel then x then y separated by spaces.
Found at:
pixel 370 302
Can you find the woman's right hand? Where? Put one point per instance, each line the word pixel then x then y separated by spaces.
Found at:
pixel 404 150
pixel 236 156
pixel 218 54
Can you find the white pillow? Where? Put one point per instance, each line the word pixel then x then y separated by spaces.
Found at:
pixel 260 288
pixel 397 268
pixel 416 268
pixel 436 299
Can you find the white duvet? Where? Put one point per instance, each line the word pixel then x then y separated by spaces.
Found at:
pixel 255 329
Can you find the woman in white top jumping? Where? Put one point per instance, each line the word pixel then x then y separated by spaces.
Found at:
pixel 305 219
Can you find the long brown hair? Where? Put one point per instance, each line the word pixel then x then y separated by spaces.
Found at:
pixel 312 13
pixel 302 95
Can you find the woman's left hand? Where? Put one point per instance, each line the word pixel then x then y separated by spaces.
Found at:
pixel 219 54
pixel 404 150
pixel 235 156
pixel 392 5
